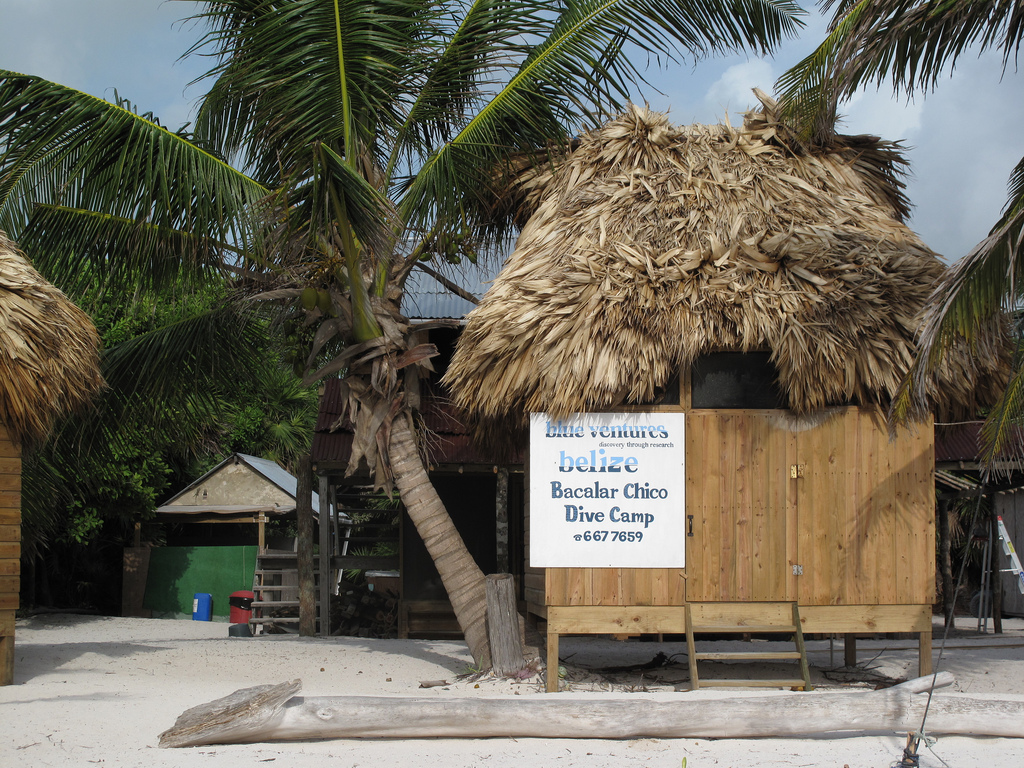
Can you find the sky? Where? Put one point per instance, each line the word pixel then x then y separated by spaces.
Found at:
pixel 962 139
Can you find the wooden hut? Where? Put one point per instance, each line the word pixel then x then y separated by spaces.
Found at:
pixel 49 364
pixel 764 293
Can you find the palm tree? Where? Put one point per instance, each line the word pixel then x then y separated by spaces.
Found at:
pixel 910 45
pixel 341 144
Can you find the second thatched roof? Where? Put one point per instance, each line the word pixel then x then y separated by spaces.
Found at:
pixel 49 350
pixel 649 245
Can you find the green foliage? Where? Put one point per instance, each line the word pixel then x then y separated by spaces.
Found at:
pixel 271 417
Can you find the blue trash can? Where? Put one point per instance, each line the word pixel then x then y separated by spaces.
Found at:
pixel 202 606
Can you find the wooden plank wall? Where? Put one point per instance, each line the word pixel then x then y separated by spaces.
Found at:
pixel 10 550
pixel 858 520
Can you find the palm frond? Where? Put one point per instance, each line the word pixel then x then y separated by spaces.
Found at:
pixel 329 71
pixel 79 249
pixel 477 51
pixel 67 148
pixel 182 363
pixel 908 44
pixel 542 101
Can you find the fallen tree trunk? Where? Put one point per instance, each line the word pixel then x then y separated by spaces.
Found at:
pixel 273 713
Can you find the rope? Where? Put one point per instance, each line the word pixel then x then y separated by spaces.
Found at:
pixel 910 758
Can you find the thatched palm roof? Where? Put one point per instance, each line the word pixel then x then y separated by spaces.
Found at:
pixel 649 245
pixel 49 350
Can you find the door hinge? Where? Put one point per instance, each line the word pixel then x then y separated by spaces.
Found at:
pixel 798 570
pixel 796 470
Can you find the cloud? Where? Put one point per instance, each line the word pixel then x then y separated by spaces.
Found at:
pixel 732 92
pixel 102 45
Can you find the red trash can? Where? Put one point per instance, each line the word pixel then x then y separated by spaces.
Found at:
pixel 241 607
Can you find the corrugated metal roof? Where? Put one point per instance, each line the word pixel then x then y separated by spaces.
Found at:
pixel 276 474
pixel 427 299
pixel 962 442
pixel 439 416
pixel 449 441
pixel 336 447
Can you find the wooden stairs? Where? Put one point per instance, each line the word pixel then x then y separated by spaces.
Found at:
pixel 736 618
pixel 275 584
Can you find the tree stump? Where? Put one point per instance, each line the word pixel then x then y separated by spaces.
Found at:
pixel 503 625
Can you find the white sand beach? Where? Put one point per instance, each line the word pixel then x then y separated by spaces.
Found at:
pixel 100 690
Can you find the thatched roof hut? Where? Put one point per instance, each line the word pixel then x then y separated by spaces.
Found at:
pixel 648 245
pixel 49 350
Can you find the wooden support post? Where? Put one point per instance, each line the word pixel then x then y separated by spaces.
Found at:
pixel 850 649
pixel 924 654
pixel 945 562
pixel 501 520
pixel 996 578
pixel 326 574
pixel 6 659
pixel 304 553
pixel 261 522
pixel 551 681
pixel 503 625
pixel 6 647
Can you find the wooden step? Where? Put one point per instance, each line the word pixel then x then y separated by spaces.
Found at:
pixel 275 620
pixel 731 619
pixel 761 629
pixel 737 683
pixel 275 603
pixel 278 567
pixel 746 656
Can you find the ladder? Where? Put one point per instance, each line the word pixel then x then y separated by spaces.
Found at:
pixel 781 618
pixel 275 583
pixel 989 578
pixel 1010 552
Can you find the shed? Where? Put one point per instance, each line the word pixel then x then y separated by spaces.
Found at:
pixel 766 293
pixel 241 489
pixel 960 474
pixel 49 365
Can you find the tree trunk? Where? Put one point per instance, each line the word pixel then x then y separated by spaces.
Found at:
pixel 304 513
pixel 274 713
pixel 462 578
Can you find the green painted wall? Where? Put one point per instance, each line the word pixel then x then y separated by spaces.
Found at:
pixel 177 573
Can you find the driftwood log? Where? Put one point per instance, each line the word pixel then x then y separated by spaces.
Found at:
pixel 274 713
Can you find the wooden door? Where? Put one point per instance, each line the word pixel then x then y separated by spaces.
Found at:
pixel 866 512
pixel 739 495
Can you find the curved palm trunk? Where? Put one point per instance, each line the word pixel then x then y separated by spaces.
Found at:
pixel 462 577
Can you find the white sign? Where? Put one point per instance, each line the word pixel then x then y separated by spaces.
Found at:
pixel 607 490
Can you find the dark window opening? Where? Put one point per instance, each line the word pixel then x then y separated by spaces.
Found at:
pixel 666 395
pixel 736 380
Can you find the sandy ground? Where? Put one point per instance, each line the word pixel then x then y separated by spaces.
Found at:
pixel 99 691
